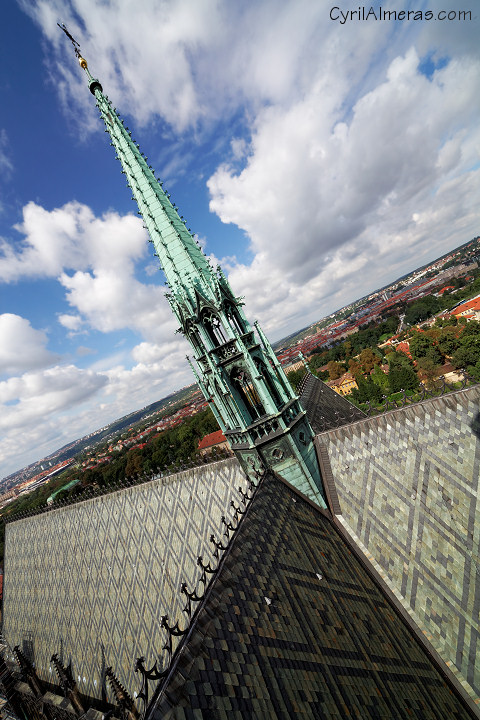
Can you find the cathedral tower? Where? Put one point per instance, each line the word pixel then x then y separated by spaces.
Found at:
pixel 233 363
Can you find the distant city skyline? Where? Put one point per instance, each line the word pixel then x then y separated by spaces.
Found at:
pixel 317 162
pixel 305 347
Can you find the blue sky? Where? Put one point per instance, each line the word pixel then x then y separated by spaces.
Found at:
pixel 316 160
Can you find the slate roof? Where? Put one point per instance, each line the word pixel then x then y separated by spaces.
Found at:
pixel 294 626
pixel 325 408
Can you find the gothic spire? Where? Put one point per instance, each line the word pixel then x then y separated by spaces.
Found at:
pixel 186 268
pixel 241 378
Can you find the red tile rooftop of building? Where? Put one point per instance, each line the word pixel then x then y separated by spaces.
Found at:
pixel 214 438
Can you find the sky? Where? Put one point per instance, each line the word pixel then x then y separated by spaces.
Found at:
pixel 317 156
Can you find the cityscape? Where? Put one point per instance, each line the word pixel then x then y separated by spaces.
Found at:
pixel 460 267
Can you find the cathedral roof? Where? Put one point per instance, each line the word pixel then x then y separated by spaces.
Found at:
pixel 325 408
pixel 294 626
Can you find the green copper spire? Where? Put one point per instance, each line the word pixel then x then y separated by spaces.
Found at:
pixel 237 372
pixel 186 268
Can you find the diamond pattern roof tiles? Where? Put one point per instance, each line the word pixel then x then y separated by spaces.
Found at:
pixel 327 644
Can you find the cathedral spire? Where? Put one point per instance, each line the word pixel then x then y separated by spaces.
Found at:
pixel 187 270
pixel 241 378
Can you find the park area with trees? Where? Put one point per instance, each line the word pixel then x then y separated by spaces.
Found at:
pixel 419 355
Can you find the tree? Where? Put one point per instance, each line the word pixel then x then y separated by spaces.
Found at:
pixel 469 351
pixel 402 377
pixel 447 341
pixel 474 371
pixel 367 390
pixel 428 369
pixel 347 348
pixel 134 467
pixel 368 359
pixel 295 377
pixel 335 370
pixel 422 309
pixel 398 359
pixel 422 346
pixel 471 328
pixel 445 321
pixel 354 367
pixel 319 360
pixel 380 379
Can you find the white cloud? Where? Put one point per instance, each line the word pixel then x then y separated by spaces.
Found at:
pixel 159 369
pixel 22 347
pixel 39 412
pixel 207 57
pixel 83 351
pixel 36 395
pixel 71 322
pixel 323 199
pixel 109 300
pixel 5 163
pixel 348 138
pixel 71 237
pixel 94 259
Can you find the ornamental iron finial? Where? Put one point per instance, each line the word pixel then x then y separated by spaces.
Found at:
pixel 152 675
pixel 67 683
pixel 65 675
pixel 76 45
pixel 29 674
pixel 124 702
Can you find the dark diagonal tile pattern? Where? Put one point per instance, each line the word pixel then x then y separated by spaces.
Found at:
pixel 325 408
pixel 295 627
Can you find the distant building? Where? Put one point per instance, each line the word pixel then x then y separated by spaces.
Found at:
pixel 297 365
pixel 469 310
pixel 214 441
pixel 344 385
pixel 444 289
pixel 404 347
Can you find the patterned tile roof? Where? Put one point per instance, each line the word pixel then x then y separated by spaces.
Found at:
pixel 325 408
pixel 99 575
pixel 294 626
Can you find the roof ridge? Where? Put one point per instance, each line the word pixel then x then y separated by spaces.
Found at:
pixel 164 675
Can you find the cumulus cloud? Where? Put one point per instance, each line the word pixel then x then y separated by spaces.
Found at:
pixel 94 259
pixel 323 199
pixel 349 138
pixel 109 300
pixel 159 369
pixel 22 347
pixel 41 411
pixel 71 237
pixel 38 411
pixel 205 72
pixel 37 395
